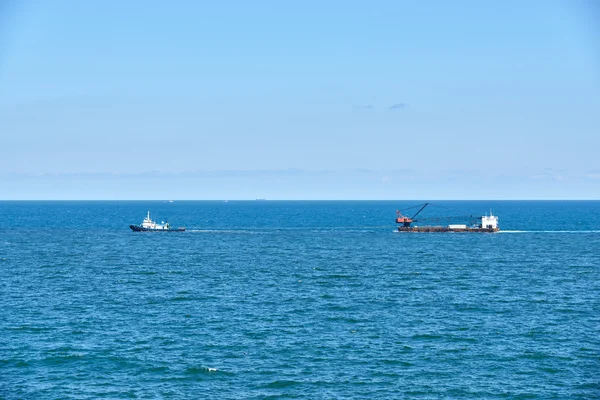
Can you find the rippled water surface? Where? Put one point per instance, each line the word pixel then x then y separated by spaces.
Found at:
pixel 297 300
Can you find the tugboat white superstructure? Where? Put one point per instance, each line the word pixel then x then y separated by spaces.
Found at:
pixel 151 226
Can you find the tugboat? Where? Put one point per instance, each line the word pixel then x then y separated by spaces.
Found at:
pixel 151 226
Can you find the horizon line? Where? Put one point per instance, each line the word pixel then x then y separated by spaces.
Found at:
pixel 261 200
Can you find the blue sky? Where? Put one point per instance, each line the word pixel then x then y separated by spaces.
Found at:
pixel 460 99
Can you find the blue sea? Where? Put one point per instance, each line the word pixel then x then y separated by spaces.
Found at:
pixel 298 300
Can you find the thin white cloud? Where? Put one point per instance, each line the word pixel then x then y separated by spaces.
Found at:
pixel 397 106
pixel 593 175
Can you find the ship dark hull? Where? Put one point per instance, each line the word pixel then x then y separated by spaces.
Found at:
pixel 444 229
pixel 137 228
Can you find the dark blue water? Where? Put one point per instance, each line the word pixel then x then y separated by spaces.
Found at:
pixel 297 300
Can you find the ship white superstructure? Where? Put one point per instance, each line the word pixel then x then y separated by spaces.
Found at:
pixel 489 221
pixel 149 224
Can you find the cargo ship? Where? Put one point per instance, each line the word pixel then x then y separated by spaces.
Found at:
pixel 486 223
pixel 151 226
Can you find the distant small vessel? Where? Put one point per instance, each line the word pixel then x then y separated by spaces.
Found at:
pixel 151 226
pixel 486 223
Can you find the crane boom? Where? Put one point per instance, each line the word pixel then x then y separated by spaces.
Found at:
pixel 406 221
pixel 420 209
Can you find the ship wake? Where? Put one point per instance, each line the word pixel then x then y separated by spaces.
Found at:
pixel 557 231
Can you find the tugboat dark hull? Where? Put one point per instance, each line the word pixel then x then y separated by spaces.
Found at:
pixel 137 228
